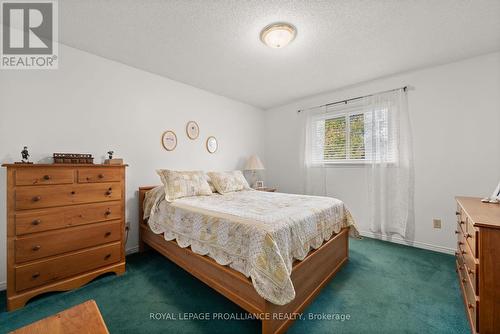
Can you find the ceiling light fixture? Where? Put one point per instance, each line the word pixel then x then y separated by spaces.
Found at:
pixel 278 35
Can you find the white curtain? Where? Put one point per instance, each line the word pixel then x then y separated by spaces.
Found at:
pixel 387 158
pixel 390 169
pixel 315 176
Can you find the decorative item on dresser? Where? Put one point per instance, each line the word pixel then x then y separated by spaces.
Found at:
pixel 25 156
pixel 111 160
pixel 478 262
pixel 65 226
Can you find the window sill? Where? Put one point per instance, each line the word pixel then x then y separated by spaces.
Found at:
pixel 349 164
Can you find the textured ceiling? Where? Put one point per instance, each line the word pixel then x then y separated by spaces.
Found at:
pixel 214 44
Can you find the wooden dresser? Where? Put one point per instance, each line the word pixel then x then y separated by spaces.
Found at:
pixel 65 226
pixel 478 262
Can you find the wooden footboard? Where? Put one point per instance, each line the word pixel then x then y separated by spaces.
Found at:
pixel 308 276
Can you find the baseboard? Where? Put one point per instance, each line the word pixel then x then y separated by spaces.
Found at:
pixel 132 250
pixel 399 240
pixel 3 285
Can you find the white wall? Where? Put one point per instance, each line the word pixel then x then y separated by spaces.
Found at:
pixel 91 105
pixel 455 116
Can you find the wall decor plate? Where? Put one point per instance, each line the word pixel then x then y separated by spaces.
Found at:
pixel 169 140
pixel 212 144
pixel 192 130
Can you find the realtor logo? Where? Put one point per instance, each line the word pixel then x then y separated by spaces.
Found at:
pixel 29 35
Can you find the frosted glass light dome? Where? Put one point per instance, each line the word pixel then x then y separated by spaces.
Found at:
pixel 278 35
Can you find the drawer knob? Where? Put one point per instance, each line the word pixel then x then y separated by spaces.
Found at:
pixel 73 192
pixel 107 256
pixel 109 192
pixel 461 267
pixel 471 272
pixel 46 177
pixel 107 234
pixel 464 252
pixel 101 176
pixel 470 306
pixel 36 198
pixel 456 232
pixel 460 243
pixel 457 213
pixel 35 275
pixel 108 212
pixel 464 280
pixel 36 247
pixel 36 222
pixel 462 222
pixel 468 235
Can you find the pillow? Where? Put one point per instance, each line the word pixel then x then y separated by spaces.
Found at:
pixel 210 183
pixel 183 184
pixel 151 200
pixel 226 182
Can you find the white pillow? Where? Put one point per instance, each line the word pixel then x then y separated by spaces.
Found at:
pixel 226 182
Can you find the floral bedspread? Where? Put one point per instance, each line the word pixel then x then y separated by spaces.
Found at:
pixel 257 233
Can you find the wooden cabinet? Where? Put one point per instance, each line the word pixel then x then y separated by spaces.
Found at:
pixel 65 226
pixel 478 262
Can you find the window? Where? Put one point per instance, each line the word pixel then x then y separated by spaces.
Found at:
pixel 351 135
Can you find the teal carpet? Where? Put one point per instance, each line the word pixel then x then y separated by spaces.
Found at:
pixel 384 288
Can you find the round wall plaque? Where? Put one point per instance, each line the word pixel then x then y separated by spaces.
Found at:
pixel 169 140
pixel 192 130
pixel 212 144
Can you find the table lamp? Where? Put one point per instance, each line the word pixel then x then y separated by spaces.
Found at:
pixel 254 164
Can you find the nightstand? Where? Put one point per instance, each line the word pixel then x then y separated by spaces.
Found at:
pixel 271 190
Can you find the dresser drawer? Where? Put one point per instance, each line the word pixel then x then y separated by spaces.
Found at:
pixel 460 234
pixel 470 265
pixel 472 271
pixel 56 218
pixel 460 263
pixel 90 175
pixel 43 176
pixel 461 218
pixel 464 250
pixel 43 272
pixel 57 242
pixel 472 303
pixel 50 196
pixel 472 236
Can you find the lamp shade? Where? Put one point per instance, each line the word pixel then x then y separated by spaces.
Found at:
pixel 254 163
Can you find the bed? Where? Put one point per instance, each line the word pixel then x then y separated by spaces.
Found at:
pixel 270 253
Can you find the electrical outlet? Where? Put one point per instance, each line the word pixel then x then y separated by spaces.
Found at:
pixel 436 223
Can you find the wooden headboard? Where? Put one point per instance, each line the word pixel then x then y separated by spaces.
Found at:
pixel 142 194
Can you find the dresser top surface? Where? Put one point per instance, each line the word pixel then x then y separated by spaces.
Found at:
pixel 21 165
pixel 481 214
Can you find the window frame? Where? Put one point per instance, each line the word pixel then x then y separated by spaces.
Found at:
pixel 351 110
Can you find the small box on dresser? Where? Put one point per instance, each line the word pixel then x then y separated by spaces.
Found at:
pixel 478 262
pixel 65 227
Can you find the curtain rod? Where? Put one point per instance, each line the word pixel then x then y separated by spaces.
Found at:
pixel 404 88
